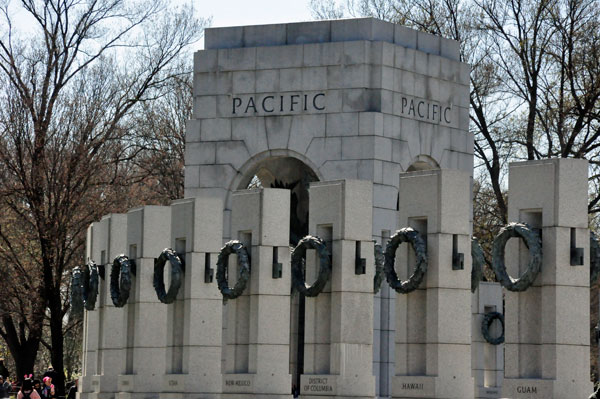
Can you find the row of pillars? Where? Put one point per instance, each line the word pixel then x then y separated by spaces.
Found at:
pixel 182 349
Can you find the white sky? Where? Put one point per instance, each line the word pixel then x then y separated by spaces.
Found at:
pixel 223 12
pixel 252 12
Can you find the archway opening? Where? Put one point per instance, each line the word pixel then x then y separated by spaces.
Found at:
pixel 287 173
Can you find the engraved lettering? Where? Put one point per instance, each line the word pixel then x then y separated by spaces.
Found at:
pixel 423 109
pixel 411 108
pixel 412 385
pixel 525 389
pixel 236 103
pixel 250 104
pixel 315 101
pixel 446 119
pixel 263 104
pixel 264 107
pixel 419 108
pixel 238 383
pixel 293 102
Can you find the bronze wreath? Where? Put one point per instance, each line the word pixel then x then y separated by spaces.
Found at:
pixel 243 269
pixel 159 275
pixel 76 292
pixel 407 234
pixel 533 243
pixel 478 260
pixel 488 319
pixel 299 266
pixel 379 268
pixel 90 285
pixel 594 258
pixel 120 280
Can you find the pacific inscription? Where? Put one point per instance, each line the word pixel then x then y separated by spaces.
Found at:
pixel 265 104
pixel 422 109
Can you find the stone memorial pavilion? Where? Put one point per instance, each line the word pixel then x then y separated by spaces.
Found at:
pixel 325 239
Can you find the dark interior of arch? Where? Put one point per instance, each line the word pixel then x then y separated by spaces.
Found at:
pixel 291 174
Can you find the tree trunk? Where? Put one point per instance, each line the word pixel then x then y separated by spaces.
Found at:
pixel 57 339
pixel 22 349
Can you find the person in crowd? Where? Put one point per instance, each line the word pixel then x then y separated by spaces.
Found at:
pixel 51 373
pixel 27 391
pixel 72 394
pixel 48 389
pixel 37 385
pixel 3 369
pixel 5 388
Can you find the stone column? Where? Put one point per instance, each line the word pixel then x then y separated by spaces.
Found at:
pixel 433 323
pixel 196 232
pixel 109 240
pixel 144 322
pixel 89 359
pixel 258 331
pixel 338 350
pixel 488 359
pixel 547 326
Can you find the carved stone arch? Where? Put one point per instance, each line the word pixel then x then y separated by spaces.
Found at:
pixel 281 169
pixel 422 162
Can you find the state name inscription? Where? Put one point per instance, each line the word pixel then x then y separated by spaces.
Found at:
pixel 238 383
pixel 318 384
pixel 266 104
pixel 526 389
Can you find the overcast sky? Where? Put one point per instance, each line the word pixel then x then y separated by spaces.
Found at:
pixel 223 12
pixel 252 12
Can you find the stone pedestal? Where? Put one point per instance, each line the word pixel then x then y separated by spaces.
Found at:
pixel 433 323
pixel 338 349
pixel 547 326
pixel 258 330
pixel 89 356
pixel 194 365
pixel 109 239
pixel 145 319
pixel 488 359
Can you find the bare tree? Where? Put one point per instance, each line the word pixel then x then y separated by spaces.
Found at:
pixel 65 154
pixel 158 128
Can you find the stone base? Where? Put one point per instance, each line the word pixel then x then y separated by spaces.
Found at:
pixel 137 395
pixel 98 395
pixel 406 386
pixel 186 386
pixel 104 384
pixel 257 395
pixel 488 392
pixel 537 388
pixel 317 386
pixel 181 395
